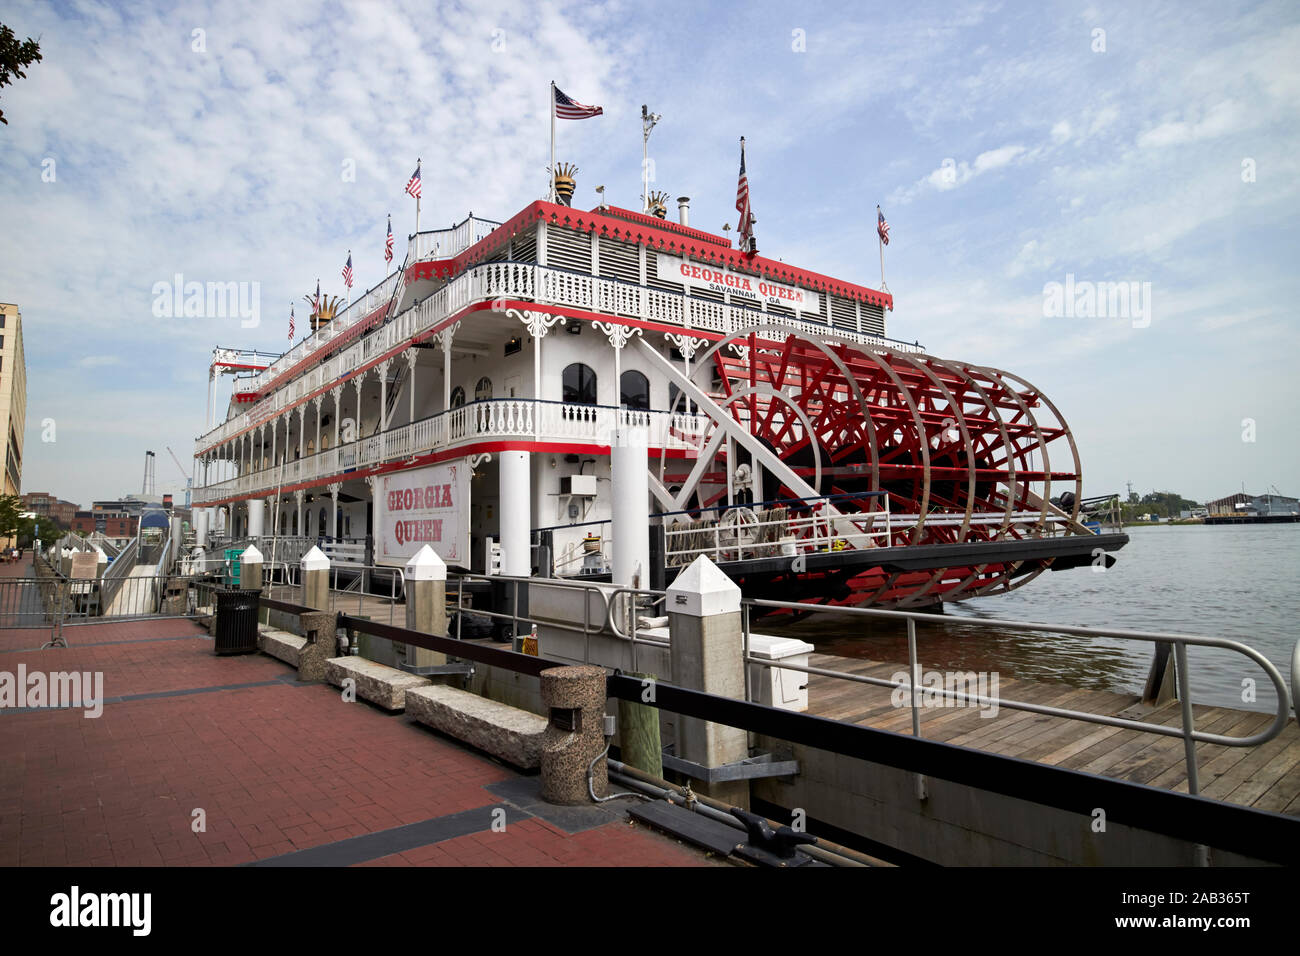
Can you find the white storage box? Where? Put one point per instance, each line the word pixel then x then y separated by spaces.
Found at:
pixel 777 686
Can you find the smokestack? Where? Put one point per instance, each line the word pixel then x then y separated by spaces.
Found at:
pixel 684 209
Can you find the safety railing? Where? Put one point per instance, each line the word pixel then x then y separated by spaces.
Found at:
pixel 617 602
pixel 1255 834
pixel 501 418
pixel 782 527
pixel 522 282
pixel 351 586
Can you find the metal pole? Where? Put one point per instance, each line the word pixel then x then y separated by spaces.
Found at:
pixel 552 169
pixel 1185 693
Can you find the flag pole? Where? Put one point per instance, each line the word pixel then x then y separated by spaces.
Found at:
pixel 417 198
pixel 881 243
pixel 552 168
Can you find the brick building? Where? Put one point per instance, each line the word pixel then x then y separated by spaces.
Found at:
pixel 45 505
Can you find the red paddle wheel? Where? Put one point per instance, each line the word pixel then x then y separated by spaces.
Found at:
pixel 961 453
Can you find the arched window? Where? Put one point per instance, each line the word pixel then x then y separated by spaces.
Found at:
pixel 321 532
pixel 457 397
pixel 483 390
pixel 295 524
pixel 579 385
pixel 635 390
pixel 284 522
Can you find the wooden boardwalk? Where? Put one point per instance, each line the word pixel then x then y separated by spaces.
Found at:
pixel 1266 777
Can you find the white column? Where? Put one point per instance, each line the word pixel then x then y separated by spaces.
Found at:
pixel 201 527
pixel 629 477
pixel 256 517
pixel 338 413
pixel 515 491
pixel 334 512
pixel 411 358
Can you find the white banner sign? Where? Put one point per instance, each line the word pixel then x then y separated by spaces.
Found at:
pixel 423 506
pixel 696 276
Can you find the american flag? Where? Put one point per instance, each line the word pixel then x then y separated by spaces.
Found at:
pixel 413 186
pixel 388 243
pixel 347 271
pixel 566 108
pixel 290 323
pixel 882 227
pixel 746 225
pixel 315 303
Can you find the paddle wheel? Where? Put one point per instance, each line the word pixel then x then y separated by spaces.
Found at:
pixel 909 449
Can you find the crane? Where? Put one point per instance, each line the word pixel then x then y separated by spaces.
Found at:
pixel 189 482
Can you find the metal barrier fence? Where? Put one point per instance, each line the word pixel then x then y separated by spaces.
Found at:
pixel 350 586
pixel 915 690
pixel 1254 833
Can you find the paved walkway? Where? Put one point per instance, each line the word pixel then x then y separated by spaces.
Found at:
pixel 282 773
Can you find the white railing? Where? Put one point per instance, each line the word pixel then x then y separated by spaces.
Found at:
pixel 498 418
pixel 742 533
pixel 516 280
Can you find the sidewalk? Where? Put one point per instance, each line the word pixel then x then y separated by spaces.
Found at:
pixel 274 767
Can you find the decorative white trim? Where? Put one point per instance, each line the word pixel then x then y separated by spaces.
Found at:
pixel 685 343
pixel 617 334
pixel 537 323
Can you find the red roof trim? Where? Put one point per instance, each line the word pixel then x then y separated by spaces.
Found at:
pixel 653 233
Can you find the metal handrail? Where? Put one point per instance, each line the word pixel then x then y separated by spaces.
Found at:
pixel 1286 699
pixel 1180 641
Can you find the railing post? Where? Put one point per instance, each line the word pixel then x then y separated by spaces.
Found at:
pixel 707 653
pixel 914 669
pixel 425 582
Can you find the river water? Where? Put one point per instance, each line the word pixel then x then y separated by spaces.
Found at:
pixel 1239 581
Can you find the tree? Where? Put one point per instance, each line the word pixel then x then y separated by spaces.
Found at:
pixel 13 57
pixel 11 510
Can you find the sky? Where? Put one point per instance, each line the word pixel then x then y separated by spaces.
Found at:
pixel 1016 149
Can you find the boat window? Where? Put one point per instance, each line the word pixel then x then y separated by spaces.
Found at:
pixel 635 390
pixel 457 397
pixel 579 385
pixel 678 404
pixel 483 390
pixel 321 529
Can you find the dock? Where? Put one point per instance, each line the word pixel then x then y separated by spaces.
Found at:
pixel 1265 777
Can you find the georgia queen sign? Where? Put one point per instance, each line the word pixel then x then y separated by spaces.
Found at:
pixel 424 506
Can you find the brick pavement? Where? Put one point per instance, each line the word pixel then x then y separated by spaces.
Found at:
pixel 275 765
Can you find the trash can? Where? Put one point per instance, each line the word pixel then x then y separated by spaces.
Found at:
pixel 236 631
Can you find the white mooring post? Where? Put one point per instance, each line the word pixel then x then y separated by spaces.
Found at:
pixel 629 476
pixel 250 568
pixel 707 651
pixel 425 576
pixel 316 579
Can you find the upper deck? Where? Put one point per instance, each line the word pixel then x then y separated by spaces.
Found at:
pixel 606 261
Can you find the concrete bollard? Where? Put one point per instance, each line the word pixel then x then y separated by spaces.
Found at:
pixel 574 700
pixel 425 581
pixel 319 629
pixel 250 568
pixel 707 650
pixel 316 580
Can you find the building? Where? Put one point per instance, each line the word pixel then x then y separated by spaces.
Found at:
pixel 112 526
pixel 45 505
pixel 13 395
pixel 1244 504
